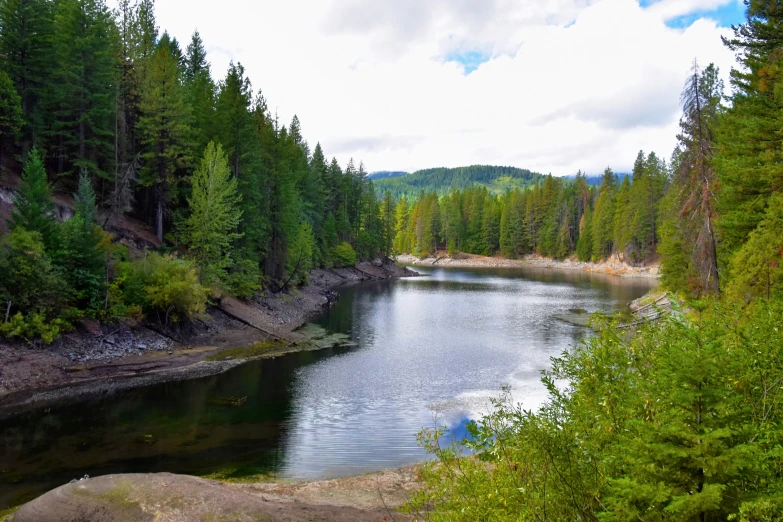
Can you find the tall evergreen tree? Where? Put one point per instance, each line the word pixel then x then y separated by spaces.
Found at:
pixel 695 179
pixel 215 214
pixel 164 132
pixel 26 39
pixel 10 114
pixel 34 207
pixel 84 88
pixel 82 259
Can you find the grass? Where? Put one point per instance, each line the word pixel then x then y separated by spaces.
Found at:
pixel 6 514
pixel 234 476
pixel 247 352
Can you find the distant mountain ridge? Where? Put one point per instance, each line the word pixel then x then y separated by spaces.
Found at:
pixel 496 179
pixel 386 174
pixel 595 180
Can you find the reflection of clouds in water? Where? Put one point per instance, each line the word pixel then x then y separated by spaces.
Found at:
pixel 525 391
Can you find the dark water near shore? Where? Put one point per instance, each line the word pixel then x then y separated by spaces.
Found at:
pixel 425 350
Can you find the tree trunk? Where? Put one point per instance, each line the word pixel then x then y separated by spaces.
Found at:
pixel 159 220
pixel 7 310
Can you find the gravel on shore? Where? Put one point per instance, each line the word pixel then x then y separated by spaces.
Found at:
pixel 613 266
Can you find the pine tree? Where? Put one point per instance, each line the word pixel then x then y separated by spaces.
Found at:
pixel 84 88
pixel 215 214
pixel 82 260
pixel 201 93
pixel 749 160
pixel 237 131
pixel 756 267
pixel 604 218
pixel 693 229
pixel 584 247
pixel 300 256
pixel 164 132
pixel 401 223
pixel 26 39
pixel 10 114
pixel 34 207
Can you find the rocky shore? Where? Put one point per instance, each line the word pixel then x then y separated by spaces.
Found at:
pixel 97 360
pixel 612 266
pixel 180 498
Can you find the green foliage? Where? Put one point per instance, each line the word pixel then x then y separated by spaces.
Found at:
pixel 210 229
pixel 10 110
pixel 164 131
pixel 344 255
pixel 244 279
pixel 30 289
pixel 756 267
pixel 300 256
pixel 679 421
pixel 82 87
pixel 584 248
pixel 34 207
pixel 442 180
pixel 26 56
pixel 164 285
pixel 33 326
pixel 83 259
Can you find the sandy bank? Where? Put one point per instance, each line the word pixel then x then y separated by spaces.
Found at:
pixel 609 267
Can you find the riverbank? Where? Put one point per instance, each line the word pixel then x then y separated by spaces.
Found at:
pixel 97 360
pixel 180 498
pixel 612 267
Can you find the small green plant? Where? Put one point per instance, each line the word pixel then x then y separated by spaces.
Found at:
pixel 344 255
pixel 164 285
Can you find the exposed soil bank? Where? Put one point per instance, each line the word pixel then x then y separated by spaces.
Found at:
pixel 166 497
pixel 610 267
pixel 100 360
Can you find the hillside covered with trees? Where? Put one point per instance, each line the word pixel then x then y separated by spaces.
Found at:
pixel 443 180
pixel 555 217
pixel 104 105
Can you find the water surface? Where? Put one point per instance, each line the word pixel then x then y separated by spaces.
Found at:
pixel 422 350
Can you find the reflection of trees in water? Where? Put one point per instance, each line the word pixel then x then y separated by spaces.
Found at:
pixel 176 427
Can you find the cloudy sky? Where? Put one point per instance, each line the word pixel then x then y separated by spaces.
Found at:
pixel 549 85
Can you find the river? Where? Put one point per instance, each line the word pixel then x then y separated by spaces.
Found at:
pixel 416 352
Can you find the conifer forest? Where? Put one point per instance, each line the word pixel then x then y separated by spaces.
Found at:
pixel 141 186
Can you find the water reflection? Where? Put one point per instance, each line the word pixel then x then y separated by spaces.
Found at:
pixel 425 350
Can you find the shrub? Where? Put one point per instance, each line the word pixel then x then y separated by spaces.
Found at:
pixel 164 284
pixel 33 326
pixel 344 255
pixel 244 279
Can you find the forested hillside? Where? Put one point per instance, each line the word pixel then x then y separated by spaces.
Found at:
pixel 385 174
pixel 443 180
pixel 555 217
pixel 106 106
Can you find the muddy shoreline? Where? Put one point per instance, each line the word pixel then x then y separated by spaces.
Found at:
pixel 613 267
pixel 98 361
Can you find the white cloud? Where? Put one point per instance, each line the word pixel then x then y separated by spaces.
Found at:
pixel 569 84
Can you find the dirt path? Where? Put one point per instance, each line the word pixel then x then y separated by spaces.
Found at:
pixel 165 497
pixel 612 266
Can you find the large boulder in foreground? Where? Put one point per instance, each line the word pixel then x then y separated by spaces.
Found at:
pixel 164 497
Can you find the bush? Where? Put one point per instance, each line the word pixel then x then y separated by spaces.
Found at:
pixel 244 279
pixel 163 284
pixel 344 255
pixel 679 421
pixel 34 326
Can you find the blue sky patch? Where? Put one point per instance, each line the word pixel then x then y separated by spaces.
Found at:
pixel 731 13
pixel 470 60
